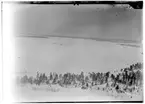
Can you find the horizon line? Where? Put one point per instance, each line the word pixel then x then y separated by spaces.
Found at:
pixel 89 38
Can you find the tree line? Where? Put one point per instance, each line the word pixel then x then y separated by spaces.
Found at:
pixel 129 76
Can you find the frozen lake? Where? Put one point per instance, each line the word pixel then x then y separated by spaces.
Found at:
pixel 72 55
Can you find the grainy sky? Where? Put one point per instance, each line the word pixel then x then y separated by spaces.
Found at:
pixel 88 21
pixel 100 22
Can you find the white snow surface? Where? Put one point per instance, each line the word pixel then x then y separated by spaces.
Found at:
pixel 45 93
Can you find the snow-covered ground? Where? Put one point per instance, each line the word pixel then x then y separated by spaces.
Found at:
pixel 63 55
pixel 44 93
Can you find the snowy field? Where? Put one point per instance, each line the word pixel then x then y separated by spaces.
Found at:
pixel 44 93
pixel 63 55
pixel 72 55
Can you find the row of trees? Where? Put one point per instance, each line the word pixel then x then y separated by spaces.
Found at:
pixel 129 76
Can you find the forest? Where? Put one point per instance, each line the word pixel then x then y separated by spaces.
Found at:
pixel 123 80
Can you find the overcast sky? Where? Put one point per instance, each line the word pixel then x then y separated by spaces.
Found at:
pixel 88 21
